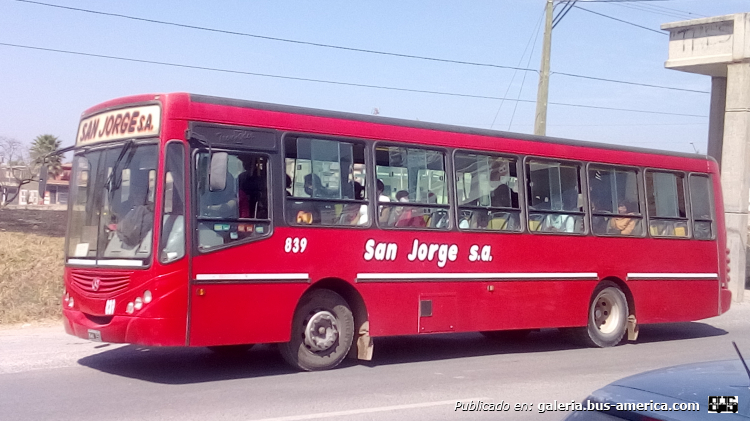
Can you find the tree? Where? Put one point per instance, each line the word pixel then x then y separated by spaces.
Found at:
pixel 23 164
pixel 17 162
pixel 42 146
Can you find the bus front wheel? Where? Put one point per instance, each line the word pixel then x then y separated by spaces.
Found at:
pixel 322 332
pixel 608 316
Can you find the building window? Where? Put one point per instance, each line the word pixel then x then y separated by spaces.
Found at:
pixel 23 197
pixel 62 197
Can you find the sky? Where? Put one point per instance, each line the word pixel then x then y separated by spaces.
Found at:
pixel 45 92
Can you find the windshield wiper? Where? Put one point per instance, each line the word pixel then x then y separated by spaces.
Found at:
pixel 113 175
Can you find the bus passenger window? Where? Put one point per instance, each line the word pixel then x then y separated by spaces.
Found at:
pixel 487 188
pixel 326 182
pixel 702 206
pixel 666 204
pixel 414 192
pixel 615 206
pixel 554 197
pixel 240 210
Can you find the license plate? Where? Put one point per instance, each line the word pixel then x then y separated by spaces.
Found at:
pixel 95 335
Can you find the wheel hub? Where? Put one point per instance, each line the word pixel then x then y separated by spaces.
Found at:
pixel 321 331
pixel 606 313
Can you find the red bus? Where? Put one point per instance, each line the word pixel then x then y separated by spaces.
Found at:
pixel 204 221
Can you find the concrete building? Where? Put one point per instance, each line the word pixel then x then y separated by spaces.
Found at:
pixel 719 47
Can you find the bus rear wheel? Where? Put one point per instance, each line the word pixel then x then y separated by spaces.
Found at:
pixel 608 317
pixel 322 332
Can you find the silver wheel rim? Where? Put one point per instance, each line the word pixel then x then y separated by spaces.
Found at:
pixel 607 312
pixel 321 331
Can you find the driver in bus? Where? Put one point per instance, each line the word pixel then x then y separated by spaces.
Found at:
pixel 221 203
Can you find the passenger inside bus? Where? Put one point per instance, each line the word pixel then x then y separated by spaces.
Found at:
pixel 407 216
pixel 384 212
pixel 308 212
pixel 252 195
pixel 361 216
pixel 623 225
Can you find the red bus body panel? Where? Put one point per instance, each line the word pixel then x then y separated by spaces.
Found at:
pixel 186 312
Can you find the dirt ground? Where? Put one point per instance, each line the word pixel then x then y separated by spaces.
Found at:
pixel 41 222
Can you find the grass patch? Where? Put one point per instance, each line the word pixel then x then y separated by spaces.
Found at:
pixel 31 277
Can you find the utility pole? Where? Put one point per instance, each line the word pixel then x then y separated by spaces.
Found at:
pixel 542 95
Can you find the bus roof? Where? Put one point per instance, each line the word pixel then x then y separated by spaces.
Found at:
pixel 433 126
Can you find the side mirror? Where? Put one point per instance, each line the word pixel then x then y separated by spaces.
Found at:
pixel 43 171
pixel 217 172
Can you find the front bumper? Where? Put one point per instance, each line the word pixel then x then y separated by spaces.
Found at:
pixel 129 329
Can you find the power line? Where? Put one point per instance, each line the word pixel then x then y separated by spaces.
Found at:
pixel 628 83
pixel 644 8
pixel 620 20
pixel 330 82
pixel 360 50
pixel 523 80
pixel 528 43
pixel 566 8
pixel 293 41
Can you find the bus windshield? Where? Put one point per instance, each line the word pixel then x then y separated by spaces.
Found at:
pixel 112 193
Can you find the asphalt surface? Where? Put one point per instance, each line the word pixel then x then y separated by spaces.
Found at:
pixel 46 375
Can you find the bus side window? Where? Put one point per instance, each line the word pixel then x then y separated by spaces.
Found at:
pixel 702 207
pixel 488 192
pixel 240 210
pixel 327 182
pixel 615 208
pixel 667 216
pixel 415 193
pixel 554 197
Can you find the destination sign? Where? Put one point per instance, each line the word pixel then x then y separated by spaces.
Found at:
pixel 120 124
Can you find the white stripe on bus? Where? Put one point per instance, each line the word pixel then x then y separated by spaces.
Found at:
pixel 253 276
pixel 482 276
pixel 114 262
pixel 663 276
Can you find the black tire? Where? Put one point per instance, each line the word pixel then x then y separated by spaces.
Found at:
pixel 607 317
pixel 230 350
pixel 322 332
pixel 506 335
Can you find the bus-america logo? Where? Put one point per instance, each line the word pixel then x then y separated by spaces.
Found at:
pixel 120 124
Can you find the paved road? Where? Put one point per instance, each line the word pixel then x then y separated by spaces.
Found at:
pixel 45 374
